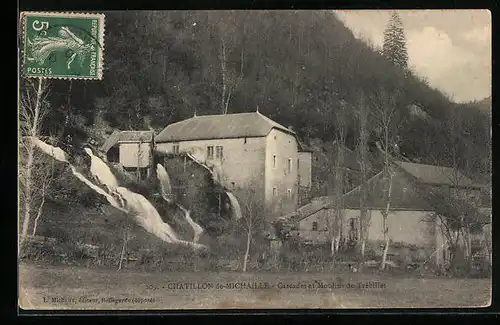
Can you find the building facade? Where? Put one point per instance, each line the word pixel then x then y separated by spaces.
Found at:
pixel 132 150
pixel 249 153
pixel 411 220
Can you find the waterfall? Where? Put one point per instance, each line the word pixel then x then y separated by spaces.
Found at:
pixel 235 206
pixel 214 175
pixel 197 229
pixel 166 191
pixel 147 216
pixel 97 189
pixel 165 187
pixel 101 171
pixel 131 203
pixel 56 153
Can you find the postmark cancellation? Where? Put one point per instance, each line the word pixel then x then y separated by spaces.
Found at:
pixel 62 45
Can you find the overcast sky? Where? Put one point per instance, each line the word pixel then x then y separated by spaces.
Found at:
pixel 450 48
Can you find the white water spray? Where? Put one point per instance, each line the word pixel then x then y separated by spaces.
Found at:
pixel 131 203
pixel 214 175
pixel 166 191
pixel 99 190
pixel 56 153
pixel 197 229
pixel 101 171
pixel 235 206
pixel 165 187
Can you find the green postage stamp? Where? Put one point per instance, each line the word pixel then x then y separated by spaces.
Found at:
pixel 62 45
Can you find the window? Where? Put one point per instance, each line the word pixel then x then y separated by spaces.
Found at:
pixel 274 161
pixel 315 226
pixel 289 165
pixel 210 152
pixel 275 191
pixel 175 149
pixel 219 154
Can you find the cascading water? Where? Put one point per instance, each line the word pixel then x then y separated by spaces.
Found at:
pixel 235 206
pixel 56 153
pixel 165 187
pixel 101 171
pixel 197 229
pixel 166 192
pixel 214 175
pixel 131 203
pixel 97 189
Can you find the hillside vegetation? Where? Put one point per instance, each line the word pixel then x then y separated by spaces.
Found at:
pixel 298 67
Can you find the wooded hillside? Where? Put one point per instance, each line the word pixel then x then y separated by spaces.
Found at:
pixel 298 67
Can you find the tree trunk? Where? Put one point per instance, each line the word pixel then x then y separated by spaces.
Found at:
pixel 39 214
pixel 247 251
pixel 27 191
pixel 385 215
pixel 468 247
pixel 363 248
pixel 384 255
pixel 339 236
pixel 332 246
pixel 29 166
pixel 223 70
pixel 124 247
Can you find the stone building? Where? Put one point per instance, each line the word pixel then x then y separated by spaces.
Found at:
pixel 411 218
pixel 248 152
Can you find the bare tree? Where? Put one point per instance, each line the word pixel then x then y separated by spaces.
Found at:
pixel 362 113
pixel 45 179
pixel 457 206
pixel 335 224
pixel 228 31
pixel 384 113
pixel 252 219
pixel 126 238
pixel 35 173
pixel 455 215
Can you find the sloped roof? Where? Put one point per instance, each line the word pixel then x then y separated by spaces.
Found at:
pixel 111 141
pixel 220 127
pixel 306 210
pixel 134 136
pixel 126 136
pixel 427 174
pixel 435 175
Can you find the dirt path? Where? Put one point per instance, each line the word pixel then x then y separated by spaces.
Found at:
pixel 79 288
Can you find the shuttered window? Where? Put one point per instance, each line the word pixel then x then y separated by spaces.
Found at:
pixel 210 152
pixel 219 153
